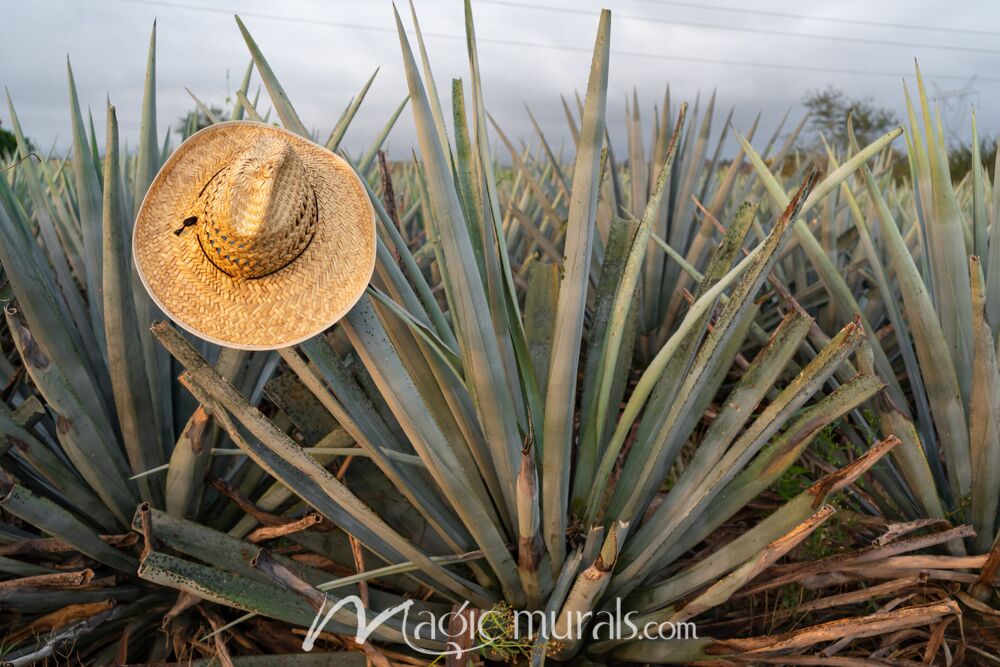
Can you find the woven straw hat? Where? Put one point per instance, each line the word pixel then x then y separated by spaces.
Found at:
pixel 255 238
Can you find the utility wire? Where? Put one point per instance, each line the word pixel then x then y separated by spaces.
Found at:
pixel 745 29
pixel 821 19
pixel 554 47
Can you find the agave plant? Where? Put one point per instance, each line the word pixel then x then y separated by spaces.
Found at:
pixel 522 413
pixel 914 258
pixel 917 254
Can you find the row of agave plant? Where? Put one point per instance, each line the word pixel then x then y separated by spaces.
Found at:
pixel 566 381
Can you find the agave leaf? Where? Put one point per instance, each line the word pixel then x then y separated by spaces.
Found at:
pixel 504 304
pixel 623 296
pixel 48 517
pixel 371 531
pixel 165 149
pixel 340 129
pixel 240 105
pixel 666 389
pixel 50 237
pixel 86 438
pixel 351 580
pixel 661 121
pixel 210 115
pixel 775 525
pixel 53 207
pixel 286 112
pixel 88 191
pixel 539 316
pixel 992 261
pixel 984 417
pixel 188 463
pixel 369 157
pixel 608 333
pixel 586 590
pixel 911 459
pixel 892 311
pixel 248 107
pixel 148 156
pixel 774 459
pixel 727 558
pixel 227 588
pixel 940 376
pixel 708 178
pixel 651 376
pixel 947 251
pixel 561 394
pixel 384 625
pixel 621 246
pixel 702 240
pixel 456 475
pixel 20 569
pixel 92 138
pixel 638 178
pixel 63 478
pixel 532 560
pixel 25 268
pixel 723 589
pixel 979 217
pixel 428 303
pixel 441 383
pixel 537 235
pixel 680 215
pixel 541 197
pixel 432 92
pixel 448 355
pixel 570 121
pixel 553 159
pixel 126 362
pixel 436 370
pixel 485 372
pixel 277 495
pixel 366 427
pixel 471 197
pixel 560 590
pixel 211 546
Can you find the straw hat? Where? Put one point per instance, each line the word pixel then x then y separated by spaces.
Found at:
pixel 254 238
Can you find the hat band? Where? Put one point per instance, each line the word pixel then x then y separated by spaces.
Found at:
pixel 208 256
pixel 193 220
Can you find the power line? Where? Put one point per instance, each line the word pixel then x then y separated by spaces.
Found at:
pixel 554 47
pixel 822 19
pixel 745 29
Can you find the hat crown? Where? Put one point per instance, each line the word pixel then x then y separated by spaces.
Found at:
pixel 259 213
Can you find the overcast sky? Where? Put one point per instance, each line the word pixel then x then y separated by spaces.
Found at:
pixel 323 50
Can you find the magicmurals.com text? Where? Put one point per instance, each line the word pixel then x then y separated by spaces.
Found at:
pixel 426 632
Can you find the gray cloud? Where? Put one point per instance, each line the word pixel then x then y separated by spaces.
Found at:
pixel 322 65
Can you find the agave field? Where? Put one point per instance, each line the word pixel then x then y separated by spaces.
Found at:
pixel 754 395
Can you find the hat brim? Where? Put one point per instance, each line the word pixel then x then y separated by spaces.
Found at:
pixel 281 309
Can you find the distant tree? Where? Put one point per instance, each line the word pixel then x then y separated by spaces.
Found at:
pixel 196 120
pixel 8 143
pixel 830 107
pixel 960 157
